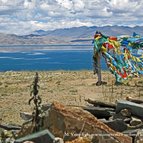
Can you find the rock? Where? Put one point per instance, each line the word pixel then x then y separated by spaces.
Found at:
pixel 26 129
pixel 45 107
pixel 80 140
pixel 117 125
pixel 44 136
pixel 100 112
pixel 26 116
pixel 139 137
pixel 10 127
pixel 58 140
pixel 124 115
pixel 139 141
pixel 63 119
pixel 139 101
pixel 136 109
pixel 135 122
pixel 101 104
pixel 140 126
pixel 28 142
pixel 6 136
pixel 132 133
pixel 127 120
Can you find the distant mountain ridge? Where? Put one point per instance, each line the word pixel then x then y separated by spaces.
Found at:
pixel 84 32
pixel 67 35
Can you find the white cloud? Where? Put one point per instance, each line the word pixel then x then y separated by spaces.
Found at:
pixel 78 5
pixel 24 16
pixel 4 1
pixel 29 4
pixel 123 5
pixel 65 3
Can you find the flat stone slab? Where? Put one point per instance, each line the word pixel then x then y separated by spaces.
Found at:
pixel 44 136
pixel 9 127
pixel 136 109
pixel 117 125
pixel 99 112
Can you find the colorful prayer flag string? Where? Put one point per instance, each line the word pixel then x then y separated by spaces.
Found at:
pixel 120 54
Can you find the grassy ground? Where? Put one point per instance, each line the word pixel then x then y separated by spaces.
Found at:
pixel 67 87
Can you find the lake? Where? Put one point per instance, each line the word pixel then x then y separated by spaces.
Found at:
pixel 46 57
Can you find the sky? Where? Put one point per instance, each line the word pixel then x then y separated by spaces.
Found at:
pixel 25 16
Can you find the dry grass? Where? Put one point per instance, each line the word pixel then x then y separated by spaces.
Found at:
pixel 67 87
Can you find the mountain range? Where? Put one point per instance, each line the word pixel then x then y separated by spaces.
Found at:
pixel 75 35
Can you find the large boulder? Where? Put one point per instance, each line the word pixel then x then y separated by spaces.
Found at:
pixel 63 120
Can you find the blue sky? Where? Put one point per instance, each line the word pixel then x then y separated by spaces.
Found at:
pixel 24 16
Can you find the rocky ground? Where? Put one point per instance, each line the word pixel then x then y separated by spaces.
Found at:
pixel 67 87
